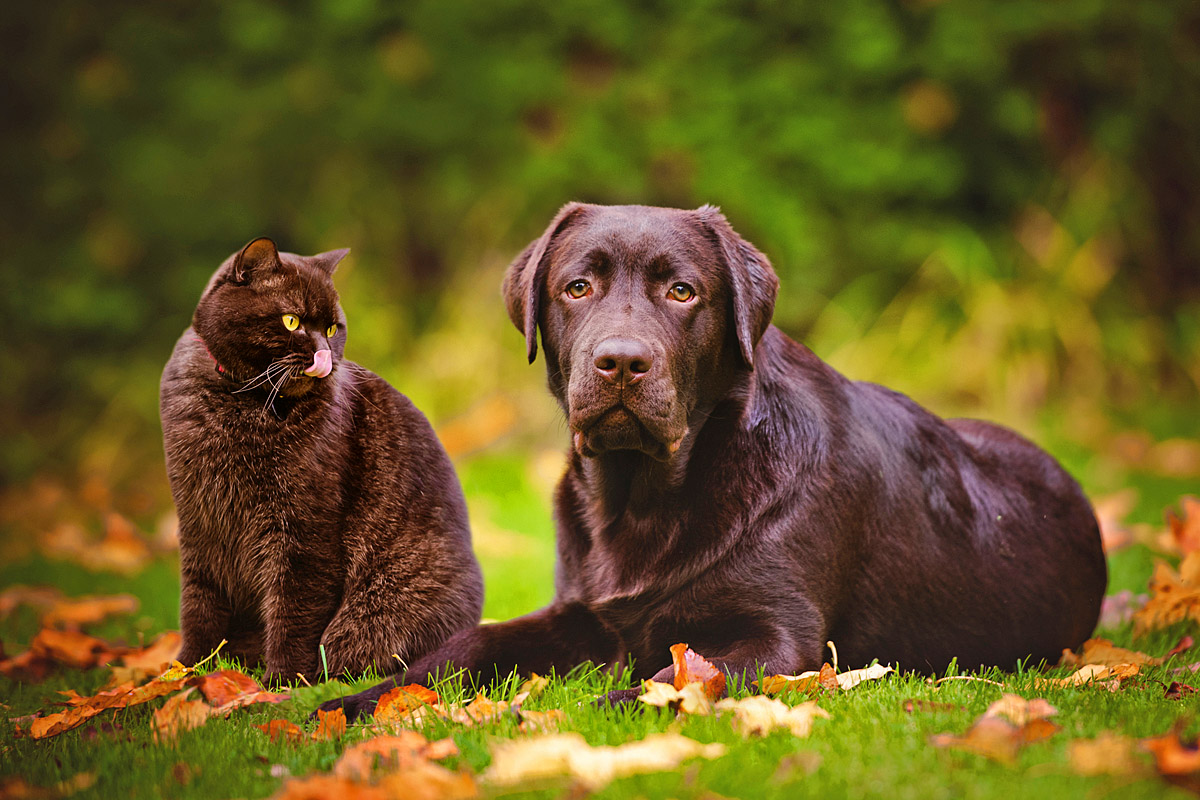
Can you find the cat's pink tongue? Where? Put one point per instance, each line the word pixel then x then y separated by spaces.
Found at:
pixel 322 364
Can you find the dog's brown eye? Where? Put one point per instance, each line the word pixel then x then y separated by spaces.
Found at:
pixel 681 292
pixel 578 289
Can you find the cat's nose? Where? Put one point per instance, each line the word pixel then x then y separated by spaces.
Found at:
pixel 322 364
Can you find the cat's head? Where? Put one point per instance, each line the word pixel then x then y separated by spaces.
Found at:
pixel 272 319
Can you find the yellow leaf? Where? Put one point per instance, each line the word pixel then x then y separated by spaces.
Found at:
pixel 758 715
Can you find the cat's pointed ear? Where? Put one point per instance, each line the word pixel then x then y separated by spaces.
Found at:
pixel 260 254
pixel 327 262
pixel 527 274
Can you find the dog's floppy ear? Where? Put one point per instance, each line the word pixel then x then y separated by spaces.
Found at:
pixel 752 282
pixel 526 275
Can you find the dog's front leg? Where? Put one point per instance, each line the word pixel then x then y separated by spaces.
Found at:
pixel 557 637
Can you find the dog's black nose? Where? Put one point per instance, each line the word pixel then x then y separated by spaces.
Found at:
pixel 622 360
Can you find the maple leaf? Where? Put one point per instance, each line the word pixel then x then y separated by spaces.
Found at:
pixel 1102 651
pixel 758 715
pixel 1174 596
pixel 568 754
pixel 1107 754
pixel 691 667
pixel 396 703
pixel 229 689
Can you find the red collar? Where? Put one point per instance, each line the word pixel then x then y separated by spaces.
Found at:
pixel 220 369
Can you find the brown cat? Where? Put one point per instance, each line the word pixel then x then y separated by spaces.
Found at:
pixel 316 505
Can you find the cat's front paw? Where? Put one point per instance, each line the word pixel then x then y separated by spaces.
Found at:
pixel 354 705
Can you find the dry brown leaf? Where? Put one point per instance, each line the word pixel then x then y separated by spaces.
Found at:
pixel 1182 646
pixel 531 688
pixel 330 724
pixel 1019 710
pixel 179 714
pixel 1093 675
pixel 399 752
pixel 428 781
pixel 1102 651
pixel 229 689
pixel 758 715
pixel 691 667
pixel 826 678
pixel 278 728
pixel 1177 691
pixel 120 550
pixel 1176 761
pixel 138 665
pixel 691 699
pixel 568 754
pixel 540 721
pixel 1174 596
pixel 81 709
pixel 1107 754
pixel 398 702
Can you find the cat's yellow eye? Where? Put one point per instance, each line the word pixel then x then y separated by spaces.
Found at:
pixel 331 330
pixel 291 321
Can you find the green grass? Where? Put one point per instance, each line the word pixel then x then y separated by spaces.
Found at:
pixel 870 747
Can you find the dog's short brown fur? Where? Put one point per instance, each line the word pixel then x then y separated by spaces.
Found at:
pixel 728 489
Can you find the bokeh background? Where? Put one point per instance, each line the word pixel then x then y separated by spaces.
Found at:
pixel 991 206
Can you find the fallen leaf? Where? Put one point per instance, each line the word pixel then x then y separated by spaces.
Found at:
pixel 851 678
pixel 81 709
pixel 1178 690
pixel 758 715
pixel 179 714
pixel 1019 710
pixel 281 728
pixel 1176 761
pixel 531 688
pixel 1174 596
pixel 1186 643
pixel 398 702
pixel 328 787
pixel 568 754
pixel 138 665
pixel 330 724
pixel 1110 516
pixel 693 668
pixel 392 753
pixel 1093 675
pixel 1107 754
pixel 795 766
pixel 539 721
pixel 1104 652
pixel 428 781
pixel 229 689
pixel 825 678
pixel 1185 527
pixel 692 698
pixel 79 611
pixel 121 549
pixel 37 596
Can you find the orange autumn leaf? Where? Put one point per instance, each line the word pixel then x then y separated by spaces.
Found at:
pixel 80 611
pixel 229 689
pixel 81 709
pixel 278 728
pixel 398 702
pixel 1176 761
pixel 330 724
pixel 148 662
pixel 1104 652
pixel 1185 528
pixel 690 667
pixel 392 753
pixel 1174 596
pixel 327 787
pixel 179 714
pixel 999 733
pixel 73 648
pixel 37 596
pixel 1094 675
pixel 1107 754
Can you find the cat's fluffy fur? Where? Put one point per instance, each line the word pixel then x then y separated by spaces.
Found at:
pixel 312 510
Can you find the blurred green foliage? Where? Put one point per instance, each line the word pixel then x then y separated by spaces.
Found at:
pixel 989 205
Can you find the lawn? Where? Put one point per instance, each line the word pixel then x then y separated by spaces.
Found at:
pixel 880 737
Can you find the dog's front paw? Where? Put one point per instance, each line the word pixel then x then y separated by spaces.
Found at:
pixel 354 705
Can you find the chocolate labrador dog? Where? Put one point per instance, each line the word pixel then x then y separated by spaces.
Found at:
pixel 728 489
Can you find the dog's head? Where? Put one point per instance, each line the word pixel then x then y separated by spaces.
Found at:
pixel 646 314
